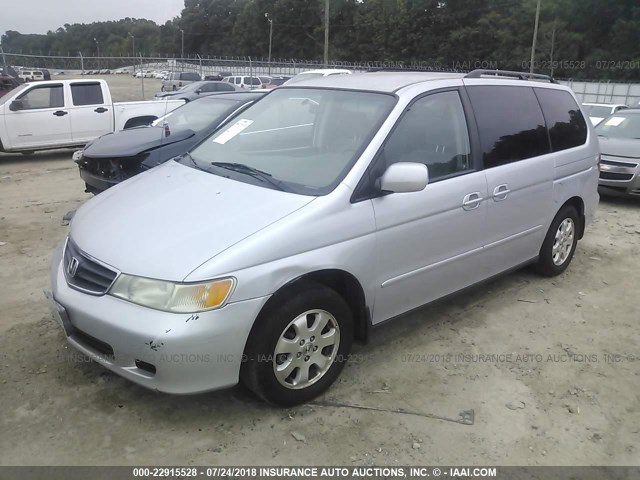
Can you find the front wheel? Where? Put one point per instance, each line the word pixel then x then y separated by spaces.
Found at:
pixel 297 349
pixel 560 243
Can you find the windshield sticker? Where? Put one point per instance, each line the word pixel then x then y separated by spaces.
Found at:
pixel 614 121
pixel 232 131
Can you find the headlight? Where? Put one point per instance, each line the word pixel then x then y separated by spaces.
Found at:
pixel 77 155
pixel 173 297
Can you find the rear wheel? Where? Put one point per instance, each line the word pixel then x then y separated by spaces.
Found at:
pixel 560 243
pixel 299 347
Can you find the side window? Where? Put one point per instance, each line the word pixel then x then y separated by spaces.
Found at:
pixel 209 87
pixel 510 124
pixel 223 87
pixel 567 127
pixel 433 131
pixel 50 96
pixel 86 94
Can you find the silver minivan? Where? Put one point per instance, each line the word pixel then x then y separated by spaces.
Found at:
pixel 319 212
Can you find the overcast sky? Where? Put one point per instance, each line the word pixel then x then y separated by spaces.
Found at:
pixel 39 16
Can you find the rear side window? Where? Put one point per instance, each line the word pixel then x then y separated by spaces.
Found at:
pixel 86 94
pixel 223 87
pixel 567 127
pixel 510 124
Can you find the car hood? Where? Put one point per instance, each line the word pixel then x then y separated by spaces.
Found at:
pixel 620 147
pixel 166 222
pixel 131 142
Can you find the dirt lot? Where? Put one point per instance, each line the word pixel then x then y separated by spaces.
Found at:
pixel 560 389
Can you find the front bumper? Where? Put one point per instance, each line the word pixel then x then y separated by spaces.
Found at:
pixel 172 353
pixel 95 183
pixel 619 176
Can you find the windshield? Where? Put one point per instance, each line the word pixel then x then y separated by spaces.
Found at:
pixel 620 125
pixel 198 114
pixel 5 98
pixel 597 111
pixel 306 140
pixel 305 76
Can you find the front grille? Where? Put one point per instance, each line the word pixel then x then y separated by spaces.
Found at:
pixel 616 176
pixel 617 163
pixel 118 169
pixel 83 273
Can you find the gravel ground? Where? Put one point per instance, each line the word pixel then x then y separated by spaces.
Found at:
pixel 522 371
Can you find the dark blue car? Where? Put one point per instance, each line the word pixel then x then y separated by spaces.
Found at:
pixel 117 156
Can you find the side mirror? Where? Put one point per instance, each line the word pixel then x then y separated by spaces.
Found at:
pixel 405 177
pixel 16 105
pixel 199 91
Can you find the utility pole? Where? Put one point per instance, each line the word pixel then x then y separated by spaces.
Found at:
pixel 4 61
pixel 133 47
pixel 535 37
pixel 270 38
pixel 98 48
pixel 182 32
pixel 326 33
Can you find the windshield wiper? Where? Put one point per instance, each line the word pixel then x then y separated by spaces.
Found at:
pixel 253 172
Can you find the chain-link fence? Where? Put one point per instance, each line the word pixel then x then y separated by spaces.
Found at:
pixel 203 65
pixel 587 91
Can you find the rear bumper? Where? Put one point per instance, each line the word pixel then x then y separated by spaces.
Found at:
pixel 172 353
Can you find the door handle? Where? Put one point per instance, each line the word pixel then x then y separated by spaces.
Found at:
pixel 101 110
pixel 501 192
pixel 60 113
pixel 472 201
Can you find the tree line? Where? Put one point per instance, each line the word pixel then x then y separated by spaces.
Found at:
pixel 576 39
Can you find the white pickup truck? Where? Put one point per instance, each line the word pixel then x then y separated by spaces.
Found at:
pixel 68 113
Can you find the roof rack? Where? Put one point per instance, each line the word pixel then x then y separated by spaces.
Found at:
pixel 507 73
pixel 411 69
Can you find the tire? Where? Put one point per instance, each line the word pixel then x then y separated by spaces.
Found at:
pixel 559 245
pixel 175 88
pixel 291 326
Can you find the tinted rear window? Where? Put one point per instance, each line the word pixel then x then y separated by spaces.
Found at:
pixel 190 77
pixel 510 124
pixel 567 127
pixel 87 94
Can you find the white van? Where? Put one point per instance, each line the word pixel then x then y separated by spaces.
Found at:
pixel 31 75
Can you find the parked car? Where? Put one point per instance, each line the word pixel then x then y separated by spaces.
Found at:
pixel 324 209
pixel 145 74
pixel 31 75
pixel 619 137
pixel 194 90
pixel 599 111
pixel 276 82
pixel 164 74
pixel 218 77
pixel 67 113
pixel 7 83
pixel 326 72
pixel 118 156
pixel 244 81
pixel 178 80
